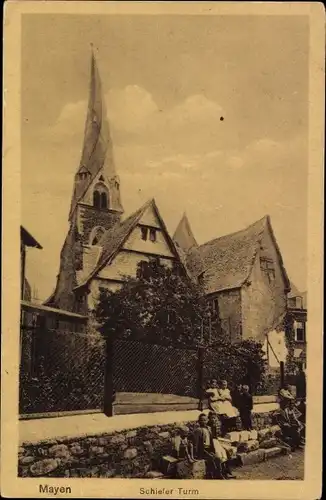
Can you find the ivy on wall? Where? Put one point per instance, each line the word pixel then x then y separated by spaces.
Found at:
pixel 290 364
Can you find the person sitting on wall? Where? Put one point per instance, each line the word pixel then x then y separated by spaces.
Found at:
pixel 182 447
pixel 204 449
pixel 291 427
pixel 214 399
pixel 285 396
pixel 222 453
pixel 228 412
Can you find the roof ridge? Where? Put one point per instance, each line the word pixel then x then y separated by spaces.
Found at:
pixel 265 218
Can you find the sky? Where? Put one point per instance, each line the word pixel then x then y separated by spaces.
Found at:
pixel 209 115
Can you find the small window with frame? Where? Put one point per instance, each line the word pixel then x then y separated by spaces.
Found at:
pixel 152 234
pixel 144 233
pixel 300 331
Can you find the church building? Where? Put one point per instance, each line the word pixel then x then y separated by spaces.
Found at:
pixel 102 247
pixel 242 274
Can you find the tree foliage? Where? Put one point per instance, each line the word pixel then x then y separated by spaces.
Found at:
pixel 290 364
pixel 160 306
pixel 242 362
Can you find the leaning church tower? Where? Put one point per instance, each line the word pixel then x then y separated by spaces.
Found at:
pixel 95 204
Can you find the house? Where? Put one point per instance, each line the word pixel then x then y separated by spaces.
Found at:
pixel 297 310
pixel 35 319
pixel 242 275
pixel 26 241
pixel 102 247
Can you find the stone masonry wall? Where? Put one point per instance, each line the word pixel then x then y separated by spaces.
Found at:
pixel 133 453
pixel 229 303
pixel 89 217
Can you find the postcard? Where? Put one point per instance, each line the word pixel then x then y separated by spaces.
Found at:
pixel 162 250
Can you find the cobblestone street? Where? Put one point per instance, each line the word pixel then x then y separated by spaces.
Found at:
pixel 284 467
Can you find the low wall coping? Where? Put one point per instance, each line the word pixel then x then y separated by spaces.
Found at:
pixel 78 426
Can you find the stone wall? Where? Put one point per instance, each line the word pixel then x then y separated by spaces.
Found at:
pixel 89 217
pixel 229 304
pixel 131 453
pixel 263 301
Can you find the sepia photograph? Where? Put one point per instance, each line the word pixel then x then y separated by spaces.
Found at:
pixel 164 249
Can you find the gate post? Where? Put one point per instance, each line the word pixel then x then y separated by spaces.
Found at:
pixel 108 378
pixel 200 376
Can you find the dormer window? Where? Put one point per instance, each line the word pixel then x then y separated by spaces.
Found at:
pixel 83 174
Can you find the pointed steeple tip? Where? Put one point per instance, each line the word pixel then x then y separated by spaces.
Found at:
pixel 183 234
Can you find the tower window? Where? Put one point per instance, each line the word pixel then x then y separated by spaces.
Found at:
pixel 152 234
pixel 83 174
pixel 144 233
pixel 104 200
pixel 96 199
pixel 101 196
pixel 96 235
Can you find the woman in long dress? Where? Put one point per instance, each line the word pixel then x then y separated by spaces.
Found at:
pixel 228 413
pixel 214 398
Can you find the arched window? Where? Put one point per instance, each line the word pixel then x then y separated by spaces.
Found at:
pixel 101 196
pixel 104 200
pixel 96 199
pixel 96 235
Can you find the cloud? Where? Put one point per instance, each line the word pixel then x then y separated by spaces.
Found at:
pixel 184 156
pixel 135 117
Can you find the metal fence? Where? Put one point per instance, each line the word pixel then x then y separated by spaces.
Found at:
pixel 151 368
pixel 60 371
pixel 68 371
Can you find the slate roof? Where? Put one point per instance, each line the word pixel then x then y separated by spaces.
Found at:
pixel 97 150
pixel 225 263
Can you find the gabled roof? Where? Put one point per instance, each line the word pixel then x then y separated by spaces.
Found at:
pixel 225 263
pixel 114 238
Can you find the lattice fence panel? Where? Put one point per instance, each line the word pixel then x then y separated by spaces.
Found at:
pixel 151 368
pixel 61 371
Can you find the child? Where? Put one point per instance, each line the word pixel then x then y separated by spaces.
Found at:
pixel 237 396
pixel 220 452
pixel 227 411
pixel 182 448
pixel 204 449
pixel 246 406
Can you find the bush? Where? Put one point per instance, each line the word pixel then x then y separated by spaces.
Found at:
pixel 237 363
